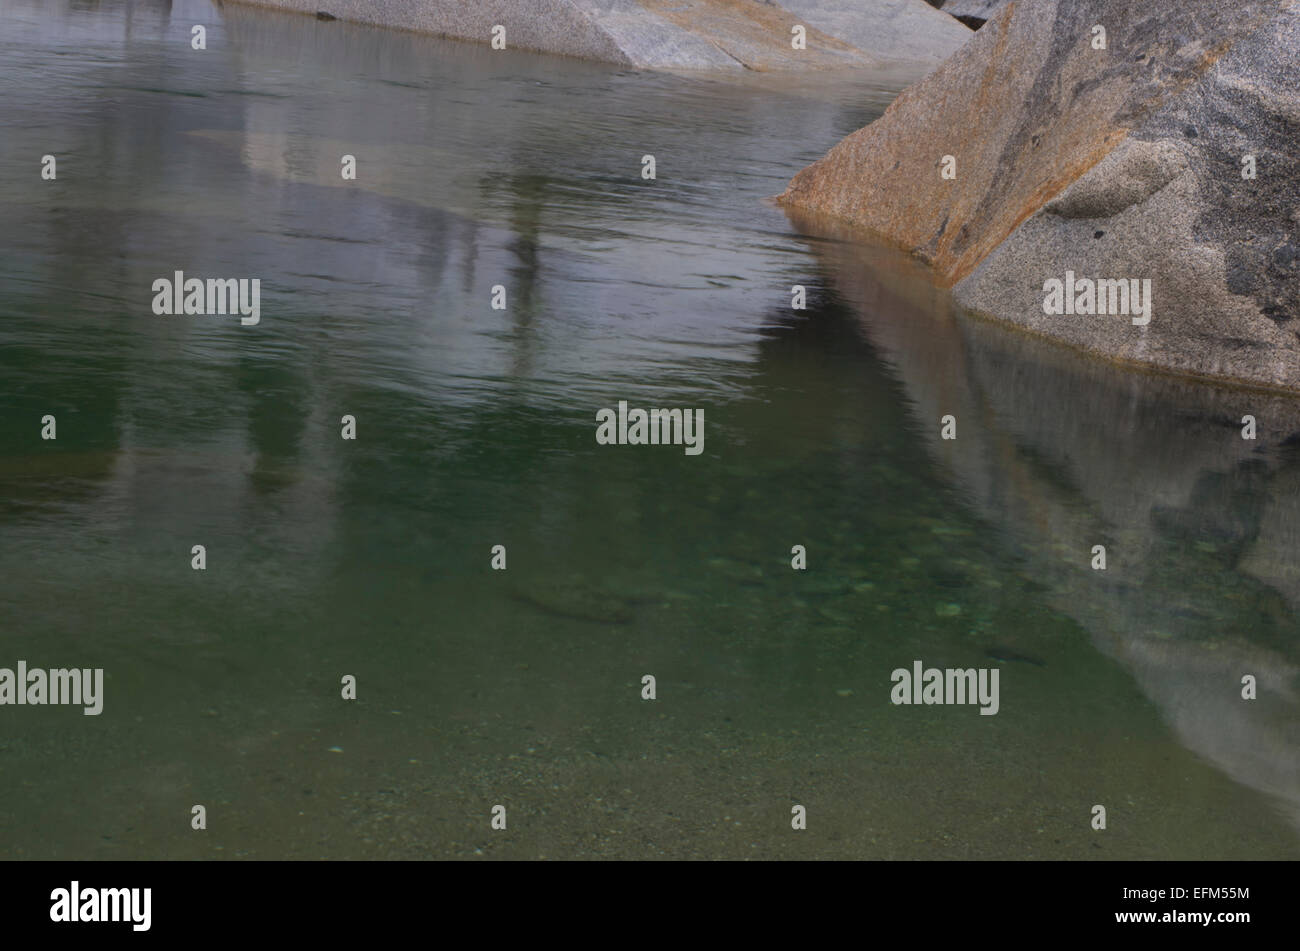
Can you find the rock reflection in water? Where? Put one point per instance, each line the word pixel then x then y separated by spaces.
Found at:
pixel 1062 453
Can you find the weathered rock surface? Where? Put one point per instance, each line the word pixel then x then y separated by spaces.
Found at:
pixel 678 34
pixel 1122 163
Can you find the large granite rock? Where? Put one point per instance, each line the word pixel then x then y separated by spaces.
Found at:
pixel 1116 163
pixel 679 34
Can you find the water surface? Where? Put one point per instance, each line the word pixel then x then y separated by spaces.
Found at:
pixel 475 428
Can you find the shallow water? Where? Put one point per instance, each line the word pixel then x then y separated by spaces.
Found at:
pixel 475 428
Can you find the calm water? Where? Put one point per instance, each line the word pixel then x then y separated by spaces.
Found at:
pixel 476 428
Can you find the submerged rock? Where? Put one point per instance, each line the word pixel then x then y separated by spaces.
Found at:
pixel 677 34
pixel 1126 163
pixel 575 599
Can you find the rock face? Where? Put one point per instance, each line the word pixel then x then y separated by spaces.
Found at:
pixel 1123 163
pixel 678 34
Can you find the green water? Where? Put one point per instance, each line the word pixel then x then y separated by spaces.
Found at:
pixel 475 428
